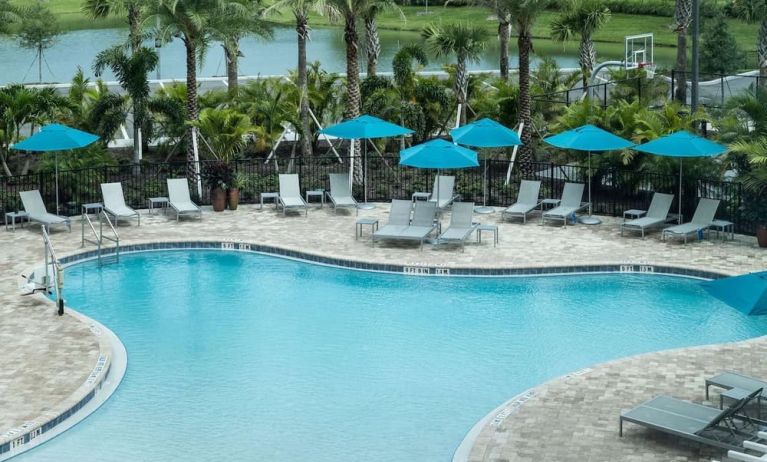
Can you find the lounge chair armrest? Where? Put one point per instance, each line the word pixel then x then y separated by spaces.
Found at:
pixel 755 446
pixel 762 435
pixel 743 457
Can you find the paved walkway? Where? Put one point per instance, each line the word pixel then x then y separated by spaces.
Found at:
pixel 48 357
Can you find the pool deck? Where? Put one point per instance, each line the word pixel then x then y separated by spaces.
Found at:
pixel 48 358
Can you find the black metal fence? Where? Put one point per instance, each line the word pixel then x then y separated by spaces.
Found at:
pixel 613 190
pixel 603 93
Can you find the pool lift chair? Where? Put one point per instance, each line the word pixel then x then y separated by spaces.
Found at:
pixel 726 429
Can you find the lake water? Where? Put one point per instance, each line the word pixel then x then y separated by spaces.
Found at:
pixel 278 56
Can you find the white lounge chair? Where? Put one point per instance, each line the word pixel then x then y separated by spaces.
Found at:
pixel 657 214
pixel 290 194
pixel 527 200
pixel 701 220
pixel 568 205
pixel 461 225
pixel 36 211
pixel 114 203
pixel 759 448
pixel 442 191
pixel 401 227
pixel 340 193
pixel 179 199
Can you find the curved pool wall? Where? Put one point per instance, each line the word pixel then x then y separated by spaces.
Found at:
pixel 406 269
pixel 101 383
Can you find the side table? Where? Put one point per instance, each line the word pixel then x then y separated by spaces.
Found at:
pixel 372 222
pixel 14 217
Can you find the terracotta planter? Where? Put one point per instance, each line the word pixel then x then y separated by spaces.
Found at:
pixel 761 235
pixel 218 199
pixel 233 198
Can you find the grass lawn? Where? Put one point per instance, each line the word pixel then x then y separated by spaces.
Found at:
pixel 71 18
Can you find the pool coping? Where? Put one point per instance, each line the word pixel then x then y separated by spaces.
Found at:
pixel 112 361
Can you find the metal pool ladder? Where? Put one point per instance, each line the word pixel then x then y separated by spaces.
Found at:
pixel 104 255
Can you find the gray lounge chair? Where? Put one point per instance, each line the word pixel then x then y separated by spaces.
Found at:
pixel 568 205
pixel 399 220
pixel 657 214
pixel 729 380
pixel 726 429
pixel 527 200
pixel 36 211
pixel 179 199
pixel 461 225
pixel 759 449
pixel 340 193
pixel 419 228
pixel 701 220
pixel 290 194
pixel 443 190
pixel 114 203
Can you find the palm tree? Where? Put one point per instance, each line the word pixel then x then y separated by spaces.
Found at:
pixel 225 130
pixel 524 13
pixel 756 11
pixel 230 30
pixel 466 42
pixel 131 71
pixel 682 20
pixel 193 21
pixel 9 15
pixel 301 10
pixel 372 40
pixel 133 8
pixel 581 18
pixel 349 11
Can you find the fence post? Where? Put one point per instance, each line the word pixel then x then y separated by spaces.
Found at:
pixel 639 88
pixel 604 98
pixel 721 83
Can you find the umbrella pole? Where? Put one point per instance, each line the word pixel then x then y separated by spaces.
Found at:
pixel 56 166
pixel 484 209
pixel 679 218
pixel 365 205
pixel 590 220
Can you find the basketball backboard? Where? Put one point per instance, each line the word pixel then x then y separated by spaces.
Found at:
pixel 639 51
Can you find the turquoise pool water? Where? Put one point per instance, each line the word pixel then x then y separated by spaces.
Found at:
pixel 245 357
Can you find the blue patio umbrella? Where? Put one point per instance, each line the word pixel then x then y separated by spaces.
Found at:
pixel 588 138
pixel 56 137
pixel 438 154
pixel 364 127
pixel 485 133
pixel 681 144
pixel 746 293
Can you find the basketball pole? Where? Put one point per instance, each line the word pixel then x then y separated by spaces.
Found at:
pixel 695 54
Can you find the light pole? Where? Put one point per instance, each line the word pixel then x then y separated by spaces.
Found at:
pixel 157 46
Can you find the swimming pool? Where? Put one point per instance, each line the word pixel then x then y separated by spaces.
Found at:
pixel 246 357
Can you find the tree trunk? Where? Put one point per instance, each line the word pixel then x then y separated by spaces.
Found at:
pixel 192 108
pixel 461 87
pixel 761 53
pixel 352 86
pixel 680 80
pixel 504 28
pixel 525 44
pixel 587 58
pixel 302 29
pixel 6 169
pixel 373 47
pixel 134 26
pixel 232 53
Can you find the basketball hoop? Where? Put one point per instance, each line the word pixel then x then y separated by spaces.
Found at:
pixel 649 69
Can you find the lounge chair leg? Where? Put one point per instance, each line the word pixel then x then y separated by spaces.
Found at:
pixel 620 427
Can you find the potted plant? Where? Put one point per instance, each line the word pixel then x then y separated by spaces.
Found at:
pixel 218 176
pixel 239 181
